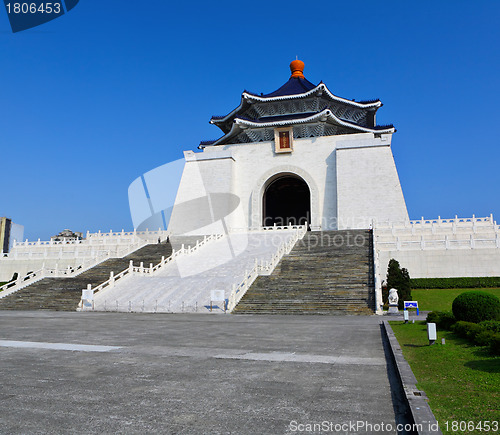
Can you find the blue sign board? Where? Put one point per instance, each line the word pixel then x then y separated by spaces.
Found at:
pixel 411 304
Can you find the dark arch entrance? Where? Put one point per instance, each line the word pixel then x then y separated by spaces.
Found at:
pixel 287 201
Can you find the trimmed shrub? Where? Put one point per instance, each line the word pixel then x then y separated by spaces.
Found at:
pixel 445 283
pixel 476 307
pixel 491 325
pixel 433 317
pixel 495 345
pixel 442 319
pixel 485 338
pixel 462 328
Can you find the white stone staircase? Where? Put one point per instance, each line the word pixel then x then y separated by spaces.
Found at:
pixel 185 284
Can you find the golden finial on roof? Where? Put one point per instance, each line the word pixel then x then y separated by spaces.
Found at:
pixel 297 69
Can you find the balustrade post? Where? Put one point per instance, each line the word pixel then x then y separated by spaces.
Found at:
pixel 131 266
pixel 162 260
pixel 491 217
pixel 111 279
pixel 142 267
pixel 151 268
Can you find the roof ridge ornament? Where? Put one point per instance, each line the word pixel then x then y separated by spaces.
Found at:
pixel 297 69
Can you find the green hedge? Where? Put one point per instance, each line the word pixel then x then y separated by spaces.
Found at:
pixel 442 319
pixel 481 282
pixel 479 334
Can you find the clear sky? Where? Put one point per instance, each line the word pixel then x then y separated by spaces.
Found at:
pixel 115 88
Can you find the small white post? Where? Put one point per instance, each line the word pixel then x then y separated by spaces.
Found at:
pixel 163 260
pixel 151 268
pixel 111 279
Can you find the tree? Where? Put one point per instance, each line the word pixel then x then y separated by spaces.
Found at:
pixel 400 280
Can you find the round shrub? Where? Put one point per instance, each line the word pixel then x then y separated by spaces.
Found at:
pixel 476 306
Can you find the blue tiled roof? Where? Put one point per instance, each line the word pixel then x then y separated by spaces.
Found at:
pixel 280 117
pixel 292 87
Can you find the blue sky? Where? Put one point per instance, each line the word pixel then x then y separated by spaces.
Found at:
pixel 94 99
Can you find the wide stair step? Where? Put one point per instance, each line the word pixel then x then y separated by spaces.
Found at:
pixel 63 294
pixel 329 272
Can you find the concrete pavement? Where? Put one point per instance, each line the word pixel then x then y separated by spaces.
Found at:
pixel 195 374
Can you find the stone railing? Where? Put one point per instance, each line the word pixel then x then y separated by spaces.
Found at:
pixel 264 267
pixel 455 225
pixel 470 242
pixel 86 302
pixel 70 272
pixel 91 246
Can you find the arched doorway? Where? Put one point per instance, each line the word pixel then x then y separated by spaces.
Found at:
pixel 286 201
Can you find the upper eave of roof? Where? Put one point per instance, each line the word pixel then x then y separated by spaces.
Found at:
pixel 248 98
pixel 326 115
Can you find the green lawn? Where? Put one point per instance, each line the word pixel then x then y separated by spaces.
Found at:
pixel 462 381
pixel 441 299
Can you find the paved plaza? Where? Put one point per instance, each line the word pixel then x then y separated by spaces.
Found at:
pixel 64 372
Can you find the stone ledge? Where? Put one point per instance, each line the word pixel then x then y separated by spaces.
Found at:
pixel 417 399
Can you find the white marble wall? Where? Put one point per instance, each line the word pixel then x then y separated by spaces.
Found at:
pixel 352 179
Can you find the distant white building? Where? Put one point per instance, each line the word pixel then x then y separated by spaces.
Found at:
pixel 299 154
pixel 9 232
